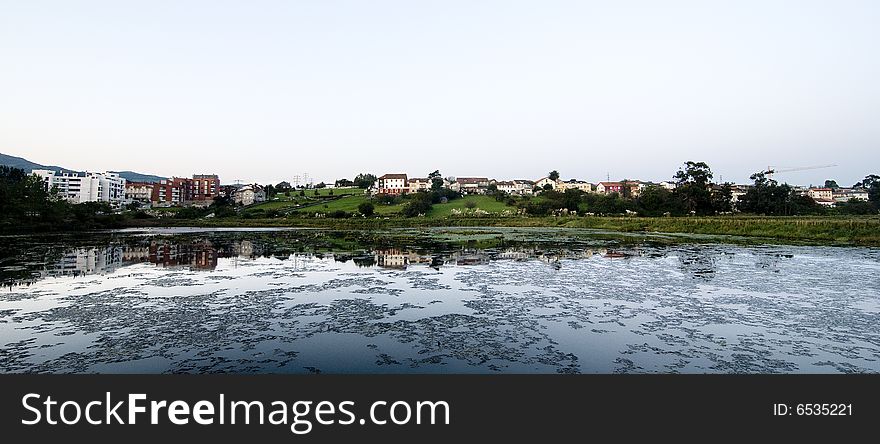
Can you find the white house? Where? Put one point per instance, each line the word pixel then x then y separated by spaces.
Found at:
pixel 847 194
pixel 85 187
pixel 470 185
pixel 392 184
pixel 249 195
pixel 546 181
pixel 518 187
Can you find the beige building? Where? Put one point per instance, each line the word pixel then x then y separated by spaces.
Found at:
pixel 417 184
pixel 138 191
pixel 574 184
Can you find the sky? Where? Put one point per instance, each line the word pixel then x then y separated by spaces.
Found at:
pixel 262 90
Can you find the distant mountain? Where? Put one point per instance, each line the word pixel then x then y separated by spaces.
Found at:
pixel 27 165
pixel 132 176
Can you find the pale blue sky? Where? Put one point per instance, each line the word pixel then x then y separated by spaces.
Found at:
pixel 261 90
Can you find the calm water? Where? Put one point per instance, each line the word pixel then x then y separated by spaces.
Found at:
pixel 433 301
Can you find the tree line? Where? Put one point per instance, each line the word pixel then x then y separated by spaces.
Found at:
pixel 696 194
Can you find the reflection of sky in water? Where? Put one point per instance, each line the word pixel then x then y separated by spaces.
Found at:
pixel 685 308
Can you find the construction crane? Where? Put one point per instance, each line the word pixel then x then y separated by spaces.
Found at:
pixel 773 170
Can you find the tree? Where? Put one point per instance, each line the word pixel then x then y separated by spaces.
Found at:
pixel 831 184
pixel 343 183
pixel 553 175
pixel 722 198
pixel 657 201
pixel 364 180
pixel 270 191
pixel 692 187
pixel 25 201
pixel 321 185
pixel 548 187
pixel 856 207
pixel 366 208
pixel 419 204
pixel 625 189
pixel 871 182
pixel 769 198
pixel 436 180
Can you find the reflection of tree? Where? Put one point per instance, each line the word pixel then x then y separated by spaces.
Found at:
pixel 699 263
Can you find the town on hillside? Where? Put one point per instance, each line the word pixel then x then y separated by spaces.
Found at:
pixel 201 190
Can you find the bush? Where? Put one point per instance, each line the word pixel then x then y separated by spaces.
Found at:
pixel 416 207
pixel 338 214
pixel 470 204
pixel 366 208
pixel 856 207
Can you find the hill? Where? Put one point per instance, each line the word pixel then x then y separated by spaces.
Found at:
pixel 27 165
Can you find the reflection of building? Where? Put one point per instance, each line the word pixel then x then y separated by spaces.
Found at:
pixel 197 255
pixel 244 248
pixel 83 261
pixel 470 257
pixel 392 258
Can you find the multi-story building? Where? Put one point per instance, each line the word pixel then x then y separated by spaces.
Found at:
pixel 392 184
pixel 609 187
pixel 821 193
pixel 470 185
pixel 138 191
pixel 848 194
pixel 417 184
pixel 85 187
pixel 574 184
pixel 180 191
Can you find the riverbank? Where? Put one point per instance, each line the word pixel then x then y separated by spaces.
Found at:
pixel 863 231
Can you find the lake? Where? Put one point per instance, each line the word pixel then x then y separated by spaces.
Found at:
pixel 442 300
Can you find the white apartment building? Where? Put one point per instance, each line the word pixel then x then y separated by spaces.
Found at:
pixel 85 187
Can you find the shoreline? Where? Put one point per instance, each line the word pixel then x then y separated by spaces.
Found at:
pixel 854 231
pixel 817 230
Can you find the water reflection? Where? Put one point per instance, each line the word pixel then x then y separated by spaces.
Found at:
pixel 527 302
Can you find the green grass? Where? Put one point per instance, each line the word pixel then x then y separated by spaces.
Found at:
pixel 350 204
pixel 282 202
pixel 485 203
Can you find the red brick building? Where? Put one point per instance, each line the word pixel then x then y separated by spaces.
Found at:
pixel 200 190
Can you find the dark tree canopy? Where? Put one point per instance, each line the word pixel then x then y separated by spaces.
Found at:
pixel 364 180
pixel 693 187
